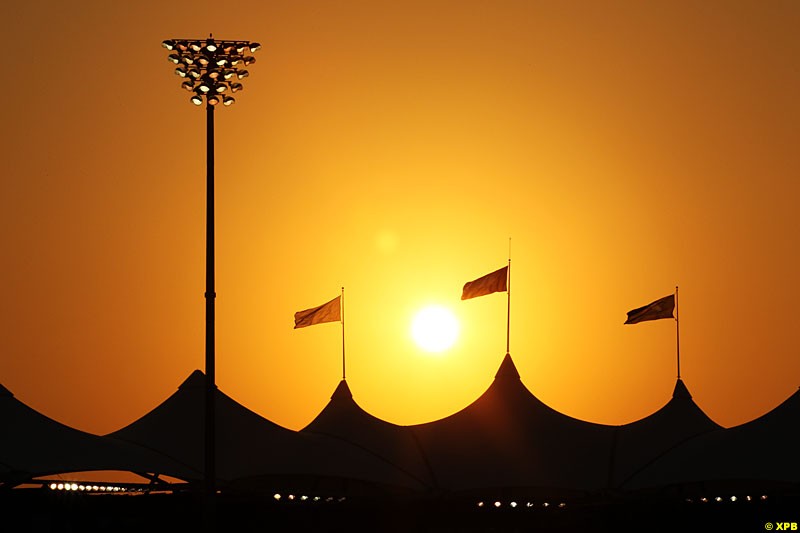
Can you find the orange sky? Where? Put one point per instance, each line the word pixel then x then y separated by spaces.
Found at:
pixel 393 147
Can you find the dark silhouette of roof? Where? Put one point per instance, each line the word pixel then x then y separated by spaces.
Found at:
pixel 508 438
pixel 642 442
pixel 344 419
pixel 497 440
pixel 33 445
pixel 763 450
pixel 250 446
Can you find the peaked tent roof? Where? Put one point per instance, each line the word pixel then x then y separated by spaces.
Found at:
pixel 762 450
pixel 632 446
pixel 342 418
pixel 33 445
pixel 508 438
pixel 644 441
pixel 250 446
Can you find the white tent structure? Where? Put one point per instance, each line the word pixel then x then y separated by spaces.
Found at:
pixel 33 445
pixel 505 442
pixel 343 419
pixel 255 452
pixel 640 443
pixel 759 453
pixel 509 440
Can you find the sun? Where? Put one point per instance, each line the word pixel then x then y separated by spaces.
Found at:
pixel 434 329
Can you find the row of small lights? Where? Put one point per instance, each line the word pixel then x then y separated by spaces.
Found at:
pixel 86 488
pixel 514 505
pixel 303 498
pixel 291 497
pixel 720 499
pixel 209 67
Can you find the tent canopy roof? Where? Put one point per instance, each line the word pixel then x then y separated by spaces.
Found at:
pixel 34 445
pixel 250 446
pixel 343 419
pixel 763 449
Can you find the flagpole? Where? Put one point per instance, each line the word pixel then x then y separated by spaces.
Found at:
pixel 343 360
pixel 678 332
pixel 508 294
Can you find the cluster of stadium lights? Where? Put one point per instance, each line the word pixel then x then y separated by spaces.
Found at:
pixel 303 498
pixel 211 68
pixel 75 487
pixel 720 499
pixel 513 504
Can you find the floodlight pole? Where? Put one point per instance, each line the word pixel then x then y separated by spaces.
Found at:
pixel 210 295
pixel 210 70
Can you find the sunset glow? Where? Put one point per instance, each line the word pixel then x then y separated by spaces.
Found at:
pixel 392 148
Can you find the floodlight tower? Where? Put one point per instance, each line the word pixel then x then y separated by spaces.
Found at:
pixel 211 69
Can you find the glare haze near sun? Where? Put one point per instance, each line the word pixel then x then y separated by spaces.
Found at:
pixel 434 329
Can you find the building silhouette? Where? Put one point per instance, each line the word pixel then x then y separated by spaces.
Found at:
pixel 504 454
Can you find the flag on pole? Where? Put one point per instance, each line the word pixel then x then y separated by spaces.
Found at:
pixel 661 308
pixel 328 312
pixel 497 281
